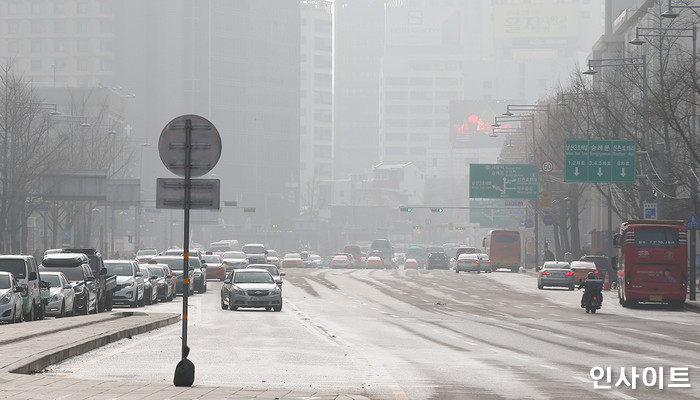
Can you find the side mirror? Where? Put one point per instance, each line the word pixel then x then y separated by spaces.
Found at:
pixel 227 282
pixel 103 271
pixel 282 274
pixel 616 240
pixel 613 262
pixel 90 279
pixel 139 274
pixel 67 286
pixel 19 289
pixel 537 269
pixel 32 276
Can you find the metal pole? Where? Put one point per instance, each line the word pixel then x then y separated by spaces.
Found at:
pixel 537 200
pixel 186 247
pixel 693 183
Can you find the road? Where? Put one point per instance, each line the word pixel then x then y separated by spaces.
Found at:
pixel 414 335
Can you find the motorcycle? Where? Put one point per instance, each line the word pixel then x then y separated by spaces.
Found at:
pixel 592 298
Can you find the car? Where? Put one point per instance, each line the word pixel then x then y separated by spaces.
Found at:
pixel 165 280
pixel 555 274
pixel 24 269
pixel 251 288
pixel 234 260
pixel 272 258
pixel 438 260
pixel 150 286
pixel 143 255
pixel 177 269
pixel 602 264
pixel 10 299
pixel 342 261
pixel 485 262
pixel 466 250
pixel 62 296
pixel 215 266
pixel 316 260
pixel 374 262
pixel 581 270
pixel 271 269
pixel 468 262
pixel 106 283
pixel 292 260
pixel 411 263
pixel 256 253
pixel 76 267
pixel 130 282
pixel 199 282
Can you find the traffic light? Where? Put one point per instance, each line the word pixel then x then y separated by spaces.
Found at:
pixel 417 227
pixel 438 210
pixel 406 209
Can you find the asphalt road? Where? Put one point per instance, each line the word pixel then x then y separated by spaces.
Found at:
pixel 415 335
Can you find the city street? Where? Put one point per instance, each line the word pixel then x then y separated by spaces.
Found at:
pixel 395 334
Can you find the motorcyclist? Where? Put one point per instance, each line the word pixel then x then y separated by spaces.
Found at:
pixel 592 286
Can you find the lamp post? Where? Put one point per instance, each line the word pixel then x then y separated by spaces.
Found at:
pixel 531 159
pixel 137 211
pixel 682 33
pixel 532 108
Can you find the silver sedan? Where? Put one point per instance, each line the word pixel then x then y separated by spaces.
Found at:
pixel 251 288
pixel 555 273
pixel 62 300
pixel 10 298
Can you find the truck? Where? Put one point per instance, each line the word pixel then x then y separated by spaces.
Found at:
pixel 106 284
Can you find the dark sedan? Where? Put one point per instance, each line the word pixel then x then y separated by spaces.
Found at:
pixel 555 273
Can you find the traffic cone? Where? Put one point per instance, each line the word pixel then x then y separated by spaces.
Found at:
pixel 606 283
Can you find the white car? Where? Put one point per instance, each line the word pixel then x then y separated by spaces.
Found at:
pixel 62 295
pixel 10 298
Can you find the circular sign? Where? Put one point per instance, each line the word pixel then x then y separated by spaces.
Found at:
pixel 547 167
pixel 529 223
pixel 205 145
pixel 548 220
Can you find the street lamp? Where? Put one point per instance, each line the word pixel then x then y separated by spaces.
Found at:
pixel 673 14
pixel 679 33
pixel 532 108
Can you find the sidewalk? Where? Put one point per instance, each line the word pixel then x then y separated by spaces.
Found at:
pixel 29 347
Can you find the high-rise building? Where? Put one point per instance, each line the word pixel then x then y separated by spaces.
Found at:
pixel 316 139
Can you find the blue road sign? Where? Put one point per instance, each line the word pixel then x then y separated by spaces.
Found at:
pixel 649 210
pixel 529 223
pixel 693 222
pixel 548 220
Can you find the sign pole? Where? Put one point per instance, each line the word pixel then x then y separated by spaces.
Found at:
pixel 186 247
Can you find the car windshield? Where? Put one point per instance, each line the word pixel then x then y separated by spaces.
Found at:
pixel 157 271
pixel 213 259
pixel 234 254
pixel 557 266
pixel 340 258
pixel 292 256
pixel 16 267
pixel 146 252
pixel 72 273
pixel 253 277
pixel 272 253
pixel 5 281
pixel 271 269
pixel 253 249
pixel 51 279
pixel 119 269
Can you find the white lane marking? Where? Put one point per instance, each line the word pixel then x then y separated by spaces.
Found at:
pixel 623 396
pixel 549 367
pixel 582 379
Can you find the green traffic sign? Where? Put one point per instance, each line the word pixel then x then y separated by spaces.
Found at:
pixel 496 212
pixel 503 181
pixel 600 160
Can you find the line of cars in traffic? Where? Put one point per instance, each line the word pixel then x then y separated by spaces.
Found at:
pixel 570 274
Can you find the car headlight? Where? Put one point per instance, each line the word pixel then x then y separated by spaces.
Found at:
pixel 239 291
pixel 55 297
pixel 275 290
pixel 197 273
pixel 128 285
pixel 6 298
pixel 79 289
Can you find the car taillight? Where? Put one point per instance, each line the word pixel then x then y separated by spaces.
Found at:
pixel 545 273
pixel 595 298
pixel 477 261
pixel 569 273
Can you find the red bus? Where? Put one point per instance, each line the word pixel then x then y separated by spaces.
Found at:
pixel 652 262
pixel 503 248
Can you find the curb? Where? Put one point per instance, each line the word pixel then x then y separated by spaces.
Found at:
pixel 37 362
pixel 59 329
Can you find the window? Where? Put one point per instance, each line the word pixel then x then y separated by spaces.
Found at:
pixel 446 81
pixel 422 81
pixel 323 44
pixel 12 8
pixel 36 66
pixel 323 116
pixel 59 26
pixel 59 45
pixel 106 26
pixel 396 109
pixel 82 26
pixel 59 64
pixel 13 46
pixel 421 95
pixel 82 7
pixel 106 45
pixel 323 61
pixel 396 123
pixel 12 27
pixel 323 97
pixel 59 7
pixel 322 78
pixel 82 45
pixel 36 8
pixel 36 27
pixel 106 64
pixel 82 64
pixel 323 26
pixel 36 46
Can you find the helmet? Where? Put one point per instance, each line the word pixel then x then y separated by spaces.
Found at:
pixel 591 275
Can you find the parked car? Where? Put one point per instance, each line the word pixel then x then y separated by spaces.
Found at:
pixel 374 262
pixel 106 283
pixel 556 274
pixel 26 272
pixel 234 260
pixel 76 267
pixel 62 295
pixel 199 273
pixel 177 269
pixel 468 262
pixel 411 263
pixel 485 262
pixel 276 274
pixel 10 299
pixel 150 286
pixel 292 260
pixel 215 266
pixel 438 260
pixel 251 288
pixel 143 255
pixel 130 283
pixel 581 270
pixel 165 281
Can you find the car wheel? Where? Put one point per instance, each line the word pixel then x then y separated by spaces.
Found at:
pixel 95 308
pixel 592 310
pixel 134 303
pixel 268 308
pixel 277 308
pixel 142 302
pixel 108 301
pixel 539 286
pixel 230 304
pixel 456 271
pixel 223 306
pixel 62 313
pixel 571 287
pixel 41 311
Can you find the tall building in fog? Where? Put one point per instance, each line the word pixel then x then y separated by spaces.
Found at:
pixel 316 133
pixel 358 47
